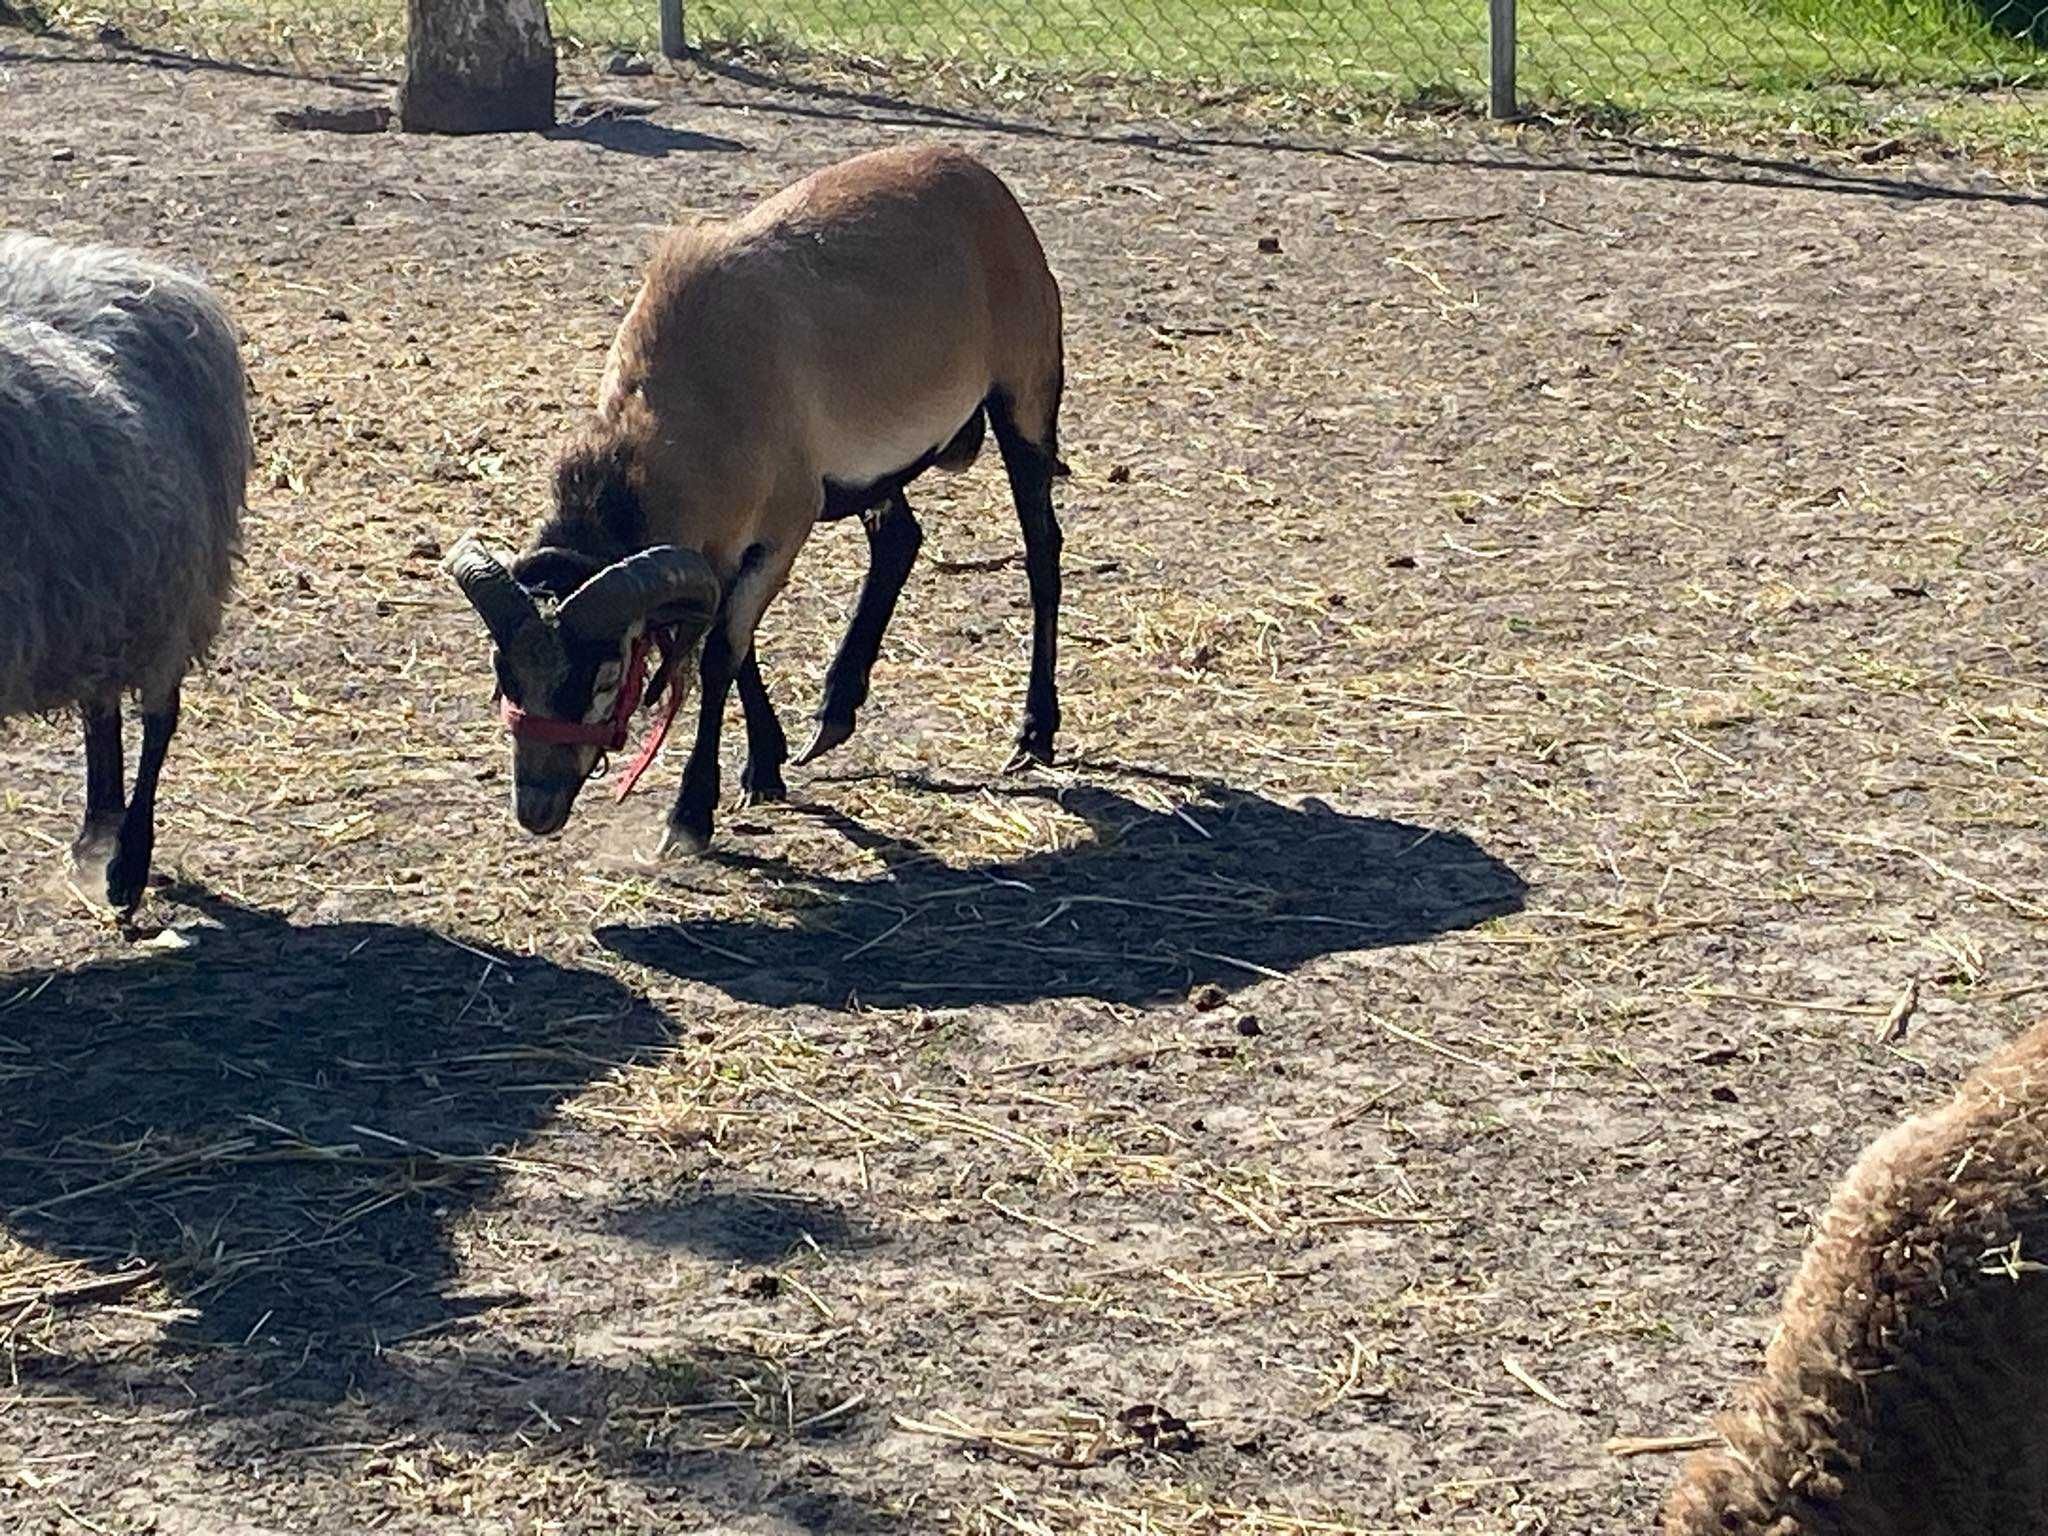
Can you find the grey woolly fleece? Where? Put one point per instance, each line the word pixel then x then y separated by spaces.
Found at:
pixel 124 461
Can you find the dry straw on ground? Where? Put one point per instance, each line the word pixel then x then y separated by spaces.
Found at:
pixel 1556 739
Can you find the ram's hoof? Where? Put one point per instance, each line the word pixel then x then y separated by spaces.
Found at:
pixel 1029 755
pixel 125 887
pixel 769 791
pixel 829 734
pixel 681 843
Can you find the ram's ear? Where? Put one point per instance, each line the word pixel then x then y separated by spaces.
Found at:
pixel 555 570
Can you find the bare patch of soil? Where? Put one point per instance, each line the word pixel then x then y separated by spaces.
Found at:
pixel 1551 657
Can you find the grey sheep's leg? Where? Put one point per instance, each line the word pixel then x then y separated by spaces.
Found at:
pixel 128 870
pixel 105 797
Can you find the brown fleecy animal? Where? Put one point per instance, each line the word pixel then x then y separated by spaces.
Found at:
pixel 1905 1392
pixel 801 364
pixel 124 461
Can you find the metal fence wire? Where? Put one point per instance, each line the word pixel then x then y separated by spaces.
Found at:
pixel 1870 60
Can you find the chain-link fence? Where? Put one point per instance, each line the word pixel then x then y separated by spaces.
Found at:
pixel 1862 61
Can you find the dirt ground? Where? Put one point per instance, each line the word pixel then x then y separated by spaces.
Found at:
pixel 1551 663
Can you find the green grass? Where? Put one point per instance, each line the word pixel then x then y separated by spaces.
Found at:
pixel 1643 54
pixel 1837 68
pixel 1382 48
pixel 1591 49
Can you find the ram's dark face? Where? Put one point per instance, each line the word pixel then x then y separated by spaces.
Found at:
pixel 547 775
pixel 564 626
pixel 576 681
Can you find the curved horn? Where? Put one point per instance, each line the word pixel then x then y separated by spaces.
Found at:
pixel 507 609
pixel 629 590
pixel 505 606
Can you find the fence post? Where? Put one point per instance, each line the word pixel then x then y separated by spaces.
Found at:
pixel 672 44
pixel 1501 64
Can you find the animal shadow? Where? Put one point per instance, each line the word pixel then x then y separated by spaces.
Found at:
pixel 283 1126
pixel 1227 889
pixel 282 1122
pixel 744 1226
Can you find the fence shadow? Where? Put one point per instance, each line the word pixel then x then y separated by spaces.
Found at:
pixel 765 94
pixel 118 49
pixel 638 137
pixel 1628 159
pixel 1231 889
pixel 837 102
pixel 1599 155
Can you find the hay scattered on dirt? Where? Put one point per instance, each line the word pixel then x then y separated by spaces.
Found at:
pixel 1550 662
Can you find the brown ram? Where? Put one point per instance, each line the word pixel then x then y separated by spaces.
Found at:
pixel 803 363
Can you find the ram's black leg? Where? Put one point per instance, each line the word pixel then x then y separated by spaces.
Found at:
pixel 767 748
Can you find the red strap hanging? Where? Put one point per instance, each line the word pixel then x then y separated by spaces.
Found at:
pixel 628 781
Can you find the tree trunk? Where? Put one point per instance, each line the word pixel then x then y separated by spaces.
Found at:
pixel 477 66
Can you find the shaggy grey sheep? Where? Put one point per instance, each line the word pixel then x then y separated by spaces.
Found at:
pixel 1906 1390
pixel 124 458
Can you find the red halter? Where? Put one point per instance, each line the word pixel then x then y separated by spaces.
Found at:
pixel 610 734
